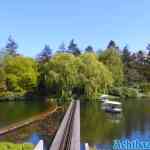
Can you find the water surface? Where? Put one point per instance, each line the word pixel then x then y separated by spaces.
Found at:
pixel 99 127
pixel 11 112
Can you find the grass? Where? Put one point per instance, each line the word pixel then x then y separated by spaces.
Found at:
pixel 11 146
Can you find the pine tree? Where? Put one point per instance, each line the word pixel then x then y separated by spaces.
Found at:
pixel 111 44
pixel 45 55
pixel 11 46
pixel 89 49
pixel 73 48
pixel 126 54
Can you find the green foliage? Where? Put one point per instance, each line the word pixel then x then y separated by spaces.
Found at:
pixel 129 92
pixel 93 76
pixel 10 146
pixel 67 75
pixel 112 59
pixel 21 73
pixel 145 88
pixel 61 74
pixel 124 92
pixel 2 80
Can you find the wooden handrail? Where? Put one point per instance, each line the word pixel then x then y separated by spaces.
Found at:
pixel 68 135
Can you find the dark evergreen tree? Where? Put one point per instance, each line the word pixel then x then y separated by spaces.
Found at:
pixel 73 48
pixel 11 46
pixel 89 49
pixel 111 44
pixel 125 55
pixel 45 55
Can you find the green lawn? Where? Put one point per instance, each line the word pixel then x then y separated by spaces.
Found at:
pixel 10 146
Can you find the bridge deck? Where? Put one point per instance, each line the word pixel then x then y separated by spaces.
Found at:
pixel 68 135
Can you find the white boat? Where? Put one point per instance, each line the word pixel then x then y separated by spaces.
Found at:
pixel 103 98
pixel 112 106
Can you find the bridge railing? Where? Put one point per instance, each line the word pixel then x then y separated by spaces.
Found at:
pixel 68 134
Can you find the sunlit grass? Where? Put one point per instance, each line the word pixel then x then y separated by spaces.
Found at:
pixel 11 146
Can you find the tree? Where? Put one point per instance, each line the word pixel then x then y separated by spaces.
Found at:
pixel 111 44
pixel 112 59
pixel 21 73
pixel 11 46
pixel 73 48
pixel 45 55
pixel 2 80
pixel 93 77
pixel 89 49
pixel 60 74
pixel 125 55
pixel 67 76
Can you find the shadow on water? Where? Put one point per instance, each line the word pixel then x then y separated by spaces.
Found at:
pixel 99 127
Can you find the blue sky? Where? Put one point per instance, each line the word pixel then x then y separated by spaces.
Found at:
pixel 34 23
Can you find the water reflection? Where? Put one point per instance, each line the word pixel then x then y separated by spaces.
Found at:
pixel 98 127
pixel 11 112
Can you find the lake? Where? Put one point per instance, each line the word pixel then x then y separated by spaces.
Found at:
pixel 101 128
pixel 11 112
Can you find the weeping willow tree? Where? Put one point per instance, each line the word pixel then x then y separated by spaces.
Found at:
pixel 93 77
pixel 61 75
pixel 67 75
pixel 111 58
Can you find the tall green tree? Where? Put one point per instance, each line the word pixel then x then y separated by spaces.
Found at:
pixel 60 74
pixel 21 73
pixel 93 77
pixel 112 59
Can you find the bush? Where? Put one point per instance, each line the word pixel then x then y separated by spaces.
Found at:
pixel 145 88
pixel 129 92
pixel 10 146
pixel 116 91
pixel 11 96
pixel 125 92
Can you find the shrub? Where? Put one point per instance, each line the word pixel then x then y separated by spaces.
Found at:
pixel 129 92
pixel 145 88
pixel 125 92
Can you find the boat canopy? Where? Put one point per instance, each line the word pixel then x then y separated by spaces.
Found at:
pixel 112 102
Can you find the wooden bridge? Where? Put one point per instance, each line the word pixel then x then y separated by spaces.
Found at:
pixel 68 135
